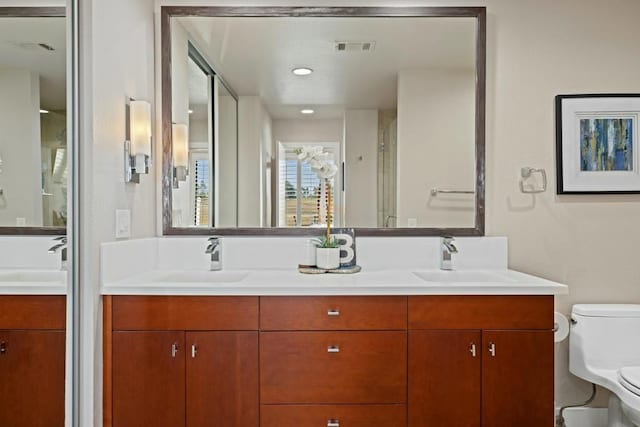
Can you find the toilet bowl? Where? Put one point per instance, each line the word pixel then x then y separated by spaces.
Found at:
pixel 604 348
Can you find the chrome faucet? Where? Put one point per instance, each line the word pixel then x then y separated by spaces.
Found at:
pixel 215 249
pixel 61 246
pixel 447 249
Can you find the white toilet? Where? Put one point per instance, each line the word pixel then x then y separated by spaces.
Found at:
pixel 604 348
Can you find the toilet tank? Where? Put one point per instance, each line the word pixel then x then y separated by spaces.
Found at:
pixel 604 336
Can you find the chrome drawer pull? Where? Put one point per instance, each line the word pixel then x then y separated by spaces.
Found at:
pixel 492 349
pixel 334 313
pixel 194 351
pixel 472 349
pixel 333 423
pixel 174 350
pixel 333 349
pixel 3 347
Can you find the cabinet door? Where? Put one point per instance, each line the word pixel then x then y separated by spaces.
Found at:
pixel 517 378
pixel 32 364
pixel 148 379
pixel 222 379
pixel 444 378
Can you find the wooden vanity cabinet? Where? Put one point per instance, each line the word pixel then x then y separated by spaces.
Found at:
pixel 481 361
pixel 391 361
pixel 32 361
pixel 181 361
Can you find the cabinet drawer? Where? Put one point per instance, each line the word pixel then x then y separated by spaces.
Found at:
pixel 333 415
pixel 333 367
pixel 132 313
pixel 481 312
pixel 332 313
pixel 33 312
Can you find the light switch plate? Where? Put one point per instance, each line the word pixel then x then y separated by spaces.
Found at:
pixel 123 223
pixel 412 222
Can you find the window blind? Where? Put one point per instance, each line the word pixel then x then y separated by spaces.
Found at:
pixel 303 197
pixel 201 196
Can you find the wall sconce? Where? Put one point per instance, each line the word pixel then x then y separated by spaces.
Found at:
pixel 137 147
pixel 180 149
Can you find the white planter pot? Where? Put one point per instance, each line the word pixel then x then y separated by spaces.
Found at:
pixel 328 258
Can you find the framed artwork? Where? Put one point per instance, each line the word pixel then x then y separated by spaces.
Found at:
pixel 597 144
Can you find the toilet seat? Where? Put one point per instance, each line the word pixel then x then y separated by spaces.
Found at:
pixel 629 377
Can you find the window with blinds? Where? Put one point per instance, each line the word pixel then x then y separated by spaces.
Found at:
pixel 302 194
pixel 201 192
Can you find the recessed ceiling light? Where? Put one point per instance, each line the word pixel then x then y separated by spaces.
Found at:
pixel 44 111
pixel 307 111
pixel 190 111
pixel 302 71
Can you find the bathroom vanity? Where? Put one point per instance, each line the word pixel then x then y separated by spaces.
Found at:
pixel 391 347
pixel 329 360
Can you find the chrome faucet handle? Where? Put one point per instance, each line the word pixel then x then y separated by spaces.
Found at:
pixel 447 242
pixel 62 239
pixel 213 243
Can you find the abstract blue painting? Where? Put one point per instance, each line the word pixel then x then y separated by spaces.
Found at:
pixel 606 144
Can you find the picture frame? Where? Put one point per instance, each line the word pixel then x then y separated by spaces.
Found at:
pixel 597 143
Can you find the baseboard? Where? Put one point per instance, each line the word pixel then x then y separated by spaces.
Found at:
pixel 585 417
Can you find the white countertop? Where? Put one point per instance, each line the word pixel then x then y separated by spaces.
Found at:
pixel 32 282
pixel 265 282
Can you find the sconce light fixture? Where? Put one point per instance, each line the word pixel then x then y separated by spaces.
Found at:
pixel 137 147
pixel 180 149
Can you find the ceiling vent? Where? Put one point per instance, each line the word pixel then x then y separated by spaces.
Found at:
pixel 354 46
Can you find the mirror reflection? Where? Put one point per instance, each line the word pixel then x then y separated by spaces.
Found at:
pixel 33 144
pixel 389 101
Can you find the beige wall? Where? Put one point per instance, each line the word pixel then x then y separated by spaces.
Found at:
pixel 254 138
pixel 436 147
pixel 20 151
pixel 361 168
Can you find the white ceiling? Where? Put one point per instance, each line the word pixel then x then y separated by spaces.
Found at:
pixel 17 50
pixel 256 56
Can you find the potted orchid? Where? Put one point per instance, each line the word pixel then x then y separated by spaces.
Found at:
pixel 328 249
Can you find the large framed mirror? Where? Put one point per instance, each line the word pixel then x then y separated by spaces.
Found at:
pixel 33 119
pixel 36 286
pixel 392 98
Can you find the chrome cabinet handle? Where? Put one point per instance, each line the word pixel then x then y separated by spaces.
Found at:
pixel 472 349
pixel 194 351
pixel 333 349
pixel 174 350
pixel 334 312
pixel 333 423
pixel 3 347
pixel 492 349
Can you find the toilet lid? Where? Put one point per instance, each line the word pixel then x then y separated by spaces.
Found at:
pixel 630 378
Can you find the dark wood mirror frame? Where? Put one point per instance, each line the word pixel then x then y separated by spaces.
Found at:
pixel 33 12
pixel 168 12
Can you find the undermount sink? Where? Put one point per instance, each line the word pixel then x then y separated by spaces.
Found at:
pixel 455 276
pixel 45 276
pixel 201 277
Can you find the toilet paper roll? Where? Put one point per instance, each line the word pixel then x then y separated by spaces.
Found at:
pixel 561 327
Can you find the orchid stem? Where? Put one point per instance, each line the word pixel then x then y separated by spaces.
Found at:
pixel 328 211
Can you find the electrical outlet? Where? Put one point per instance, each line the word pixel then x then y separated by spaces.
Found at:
pixel 412 222
pixel 123 223
pixel 21 222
